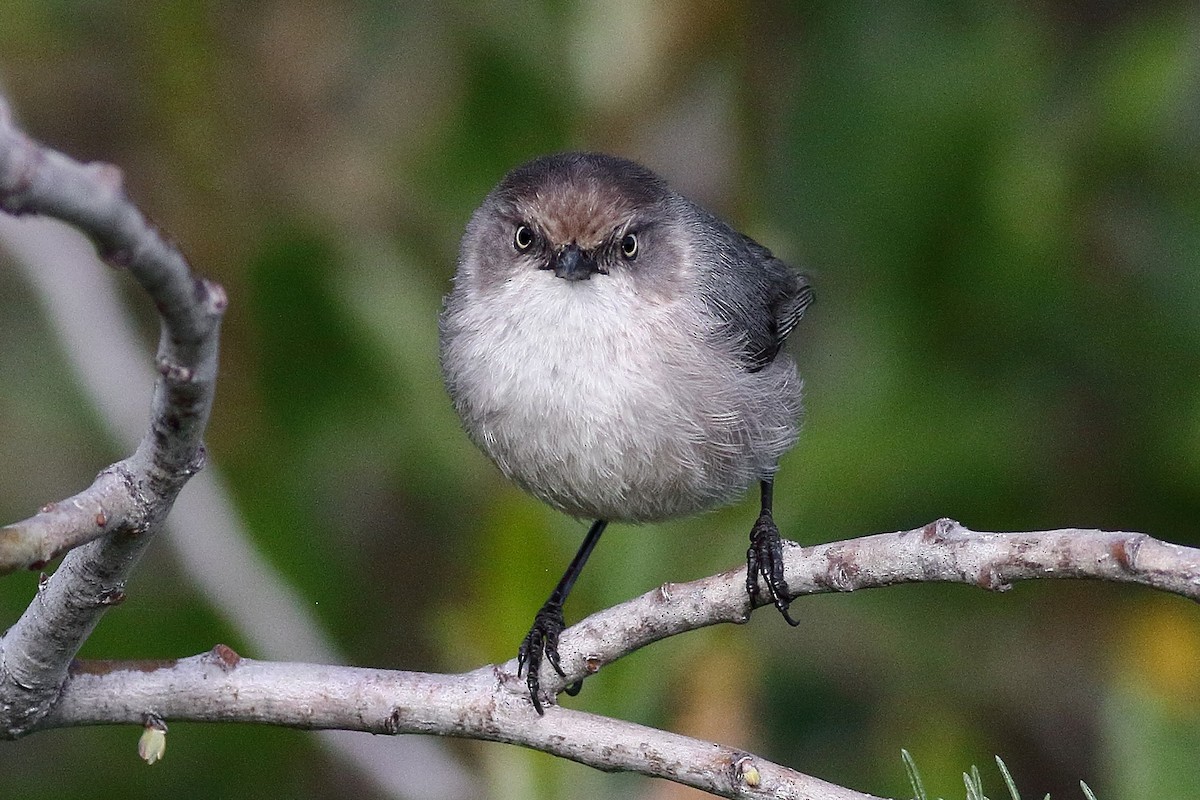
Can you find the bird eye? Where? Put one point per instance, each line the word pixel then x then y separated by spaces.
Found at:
pixel 629 246
pixel 523 239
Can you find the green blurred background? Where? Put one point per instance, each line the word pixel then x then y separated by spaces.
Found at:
pixel 1000 208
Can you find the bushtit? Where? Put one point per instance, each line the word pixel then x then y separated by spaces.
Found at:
pixel 615 349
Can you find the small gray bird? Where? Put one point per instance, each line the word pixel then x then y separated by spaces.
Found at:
pixel 615 349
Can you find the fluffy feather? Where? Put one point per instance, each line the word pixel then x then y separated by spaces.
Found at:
pixel 652 390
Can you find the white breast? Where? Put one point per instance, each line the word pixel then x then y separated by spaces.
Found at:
pixel 606 406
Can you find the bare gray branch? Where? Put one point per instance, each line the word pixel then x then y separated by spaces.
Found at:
pixel 486 704
pixel 117 516
pixel 943 551
pixel 491 703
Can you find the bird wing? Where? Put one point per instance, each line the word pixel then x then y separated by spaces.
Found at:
pixel 772 300
pixel 757 296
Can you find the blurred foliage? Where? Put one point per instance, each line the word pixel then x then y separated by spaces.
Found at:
pixel 999 206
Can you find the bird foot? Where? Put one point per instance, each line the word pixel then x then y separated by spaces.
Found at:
pixel 765 559
pixel 542 639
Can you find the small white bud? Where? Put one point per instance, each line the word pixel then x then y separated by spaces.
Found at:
pixel 153 744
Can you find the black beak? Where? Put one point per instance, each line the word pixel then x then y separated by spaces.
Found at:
pixel 574 264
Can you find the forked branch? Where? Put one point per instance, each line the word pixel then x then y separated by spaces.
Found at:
pixel 492 704
pixel 108 525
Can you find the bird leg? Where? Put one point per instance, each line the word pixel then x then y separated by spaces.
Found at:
pixel 542 638
pixel 765 558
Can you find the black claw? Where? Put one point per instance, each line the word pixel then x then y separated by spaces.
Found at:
pixel 542 639
pixel 548 624
pixel 765 559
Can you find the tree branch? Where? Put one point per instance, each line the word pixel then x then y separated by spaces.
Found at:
pixel 943 551
pixel 491 703
pixel 128 501
pixel 214 549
